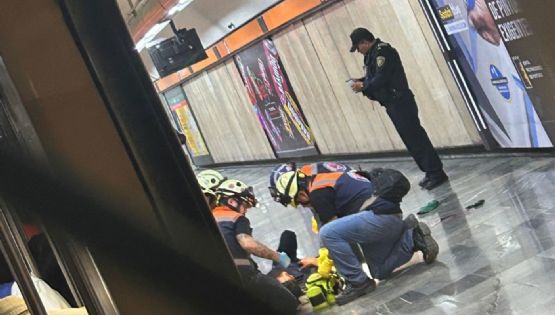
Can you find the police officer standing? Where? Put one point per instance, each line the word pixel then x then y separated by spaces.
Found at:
pixel 385 81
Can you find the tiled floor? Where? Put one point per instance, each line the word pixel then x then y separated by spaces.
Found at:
pixel 497 259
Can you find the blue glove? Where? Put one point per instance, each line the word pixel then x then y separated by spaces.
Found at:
pixel 284 260
pixel 470 4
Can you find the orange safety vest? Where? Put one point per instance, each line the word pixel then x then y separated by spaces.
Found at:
pixel 324 180
pixel 309 169
pixel 324 167
pixel 226 218
pixel 351 190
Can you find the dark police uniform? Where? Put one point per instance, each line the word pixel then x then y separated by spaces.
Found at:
pixel 386 82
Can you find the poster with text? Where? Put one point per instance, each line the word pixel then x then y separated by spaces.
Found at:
pixel 525 51
pixel 274 101
pixel 493 74
pixel 181 112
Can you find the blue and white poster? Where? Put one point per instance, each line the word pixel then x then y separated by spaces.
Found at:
pixel 502 91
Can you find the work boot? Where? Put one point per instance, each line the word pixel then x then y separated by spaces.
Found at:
pixel 410 221
pixel 424 242
pixel 434 181
pixel 423 181
pixel 354 291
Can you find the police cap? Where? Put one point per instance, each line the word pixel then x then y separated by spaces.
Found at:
pixel 359 34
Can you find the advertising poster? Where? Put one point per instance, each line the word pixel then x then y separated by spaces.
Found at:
pixel 501 88
pixel 181 113
pixel 524 50
pixel 274 101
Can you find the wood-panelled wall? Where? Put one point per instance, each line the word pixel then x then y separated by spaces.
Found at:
pixel 226 117
pixel 445 73
pixel 316 57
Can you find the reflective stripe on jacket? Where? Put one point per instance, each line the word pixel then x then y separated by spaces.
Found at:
pixel 324 167
pixel 226 220
pixel 351 190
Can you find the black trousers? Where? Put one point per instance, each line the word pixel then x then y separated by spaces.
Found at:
pixel 272 293
pixel 404 115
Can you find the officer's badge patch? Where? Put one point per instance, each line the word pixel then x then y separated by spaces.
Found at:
pixel 380 61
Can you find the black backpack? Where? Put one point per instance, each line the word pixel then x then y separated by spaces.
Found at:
pixel 388 183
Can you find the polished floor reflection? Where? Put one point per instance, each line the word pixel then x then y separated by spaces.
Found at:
pixel 495 259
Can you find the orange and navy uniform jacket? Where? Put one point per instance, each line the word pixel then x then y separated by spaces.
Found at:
pixel 323 167
pixel 338 194
pixel 231 223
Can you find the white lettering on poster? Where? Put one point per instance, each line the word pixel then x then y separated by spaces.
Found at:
pixel 456 27
pixel 514 30
pixel 535 76
pixel 503 8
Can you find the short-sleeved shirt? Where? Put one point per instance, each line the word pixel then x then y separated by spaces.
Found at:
pixel 231 223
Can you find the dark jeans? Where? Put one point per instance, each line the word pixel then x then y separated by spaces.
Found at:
pixel 270 292
pixel 404 115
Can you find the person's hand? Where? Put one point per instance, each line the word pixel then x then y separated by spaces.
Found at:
pixel 481 19
pixel 284 260
pixel 357 86
pixel 308 262
pixel 284 276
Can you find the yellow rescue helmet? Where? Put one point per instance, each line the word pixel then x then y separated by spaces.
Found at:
pixel 209 180
pixel 287 185
pixel 205 185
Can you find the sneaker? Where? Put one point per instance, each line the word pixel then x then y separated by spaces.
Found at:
pixel 411 221
pixel 354 291
pixel 435 181
pixel 423 241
